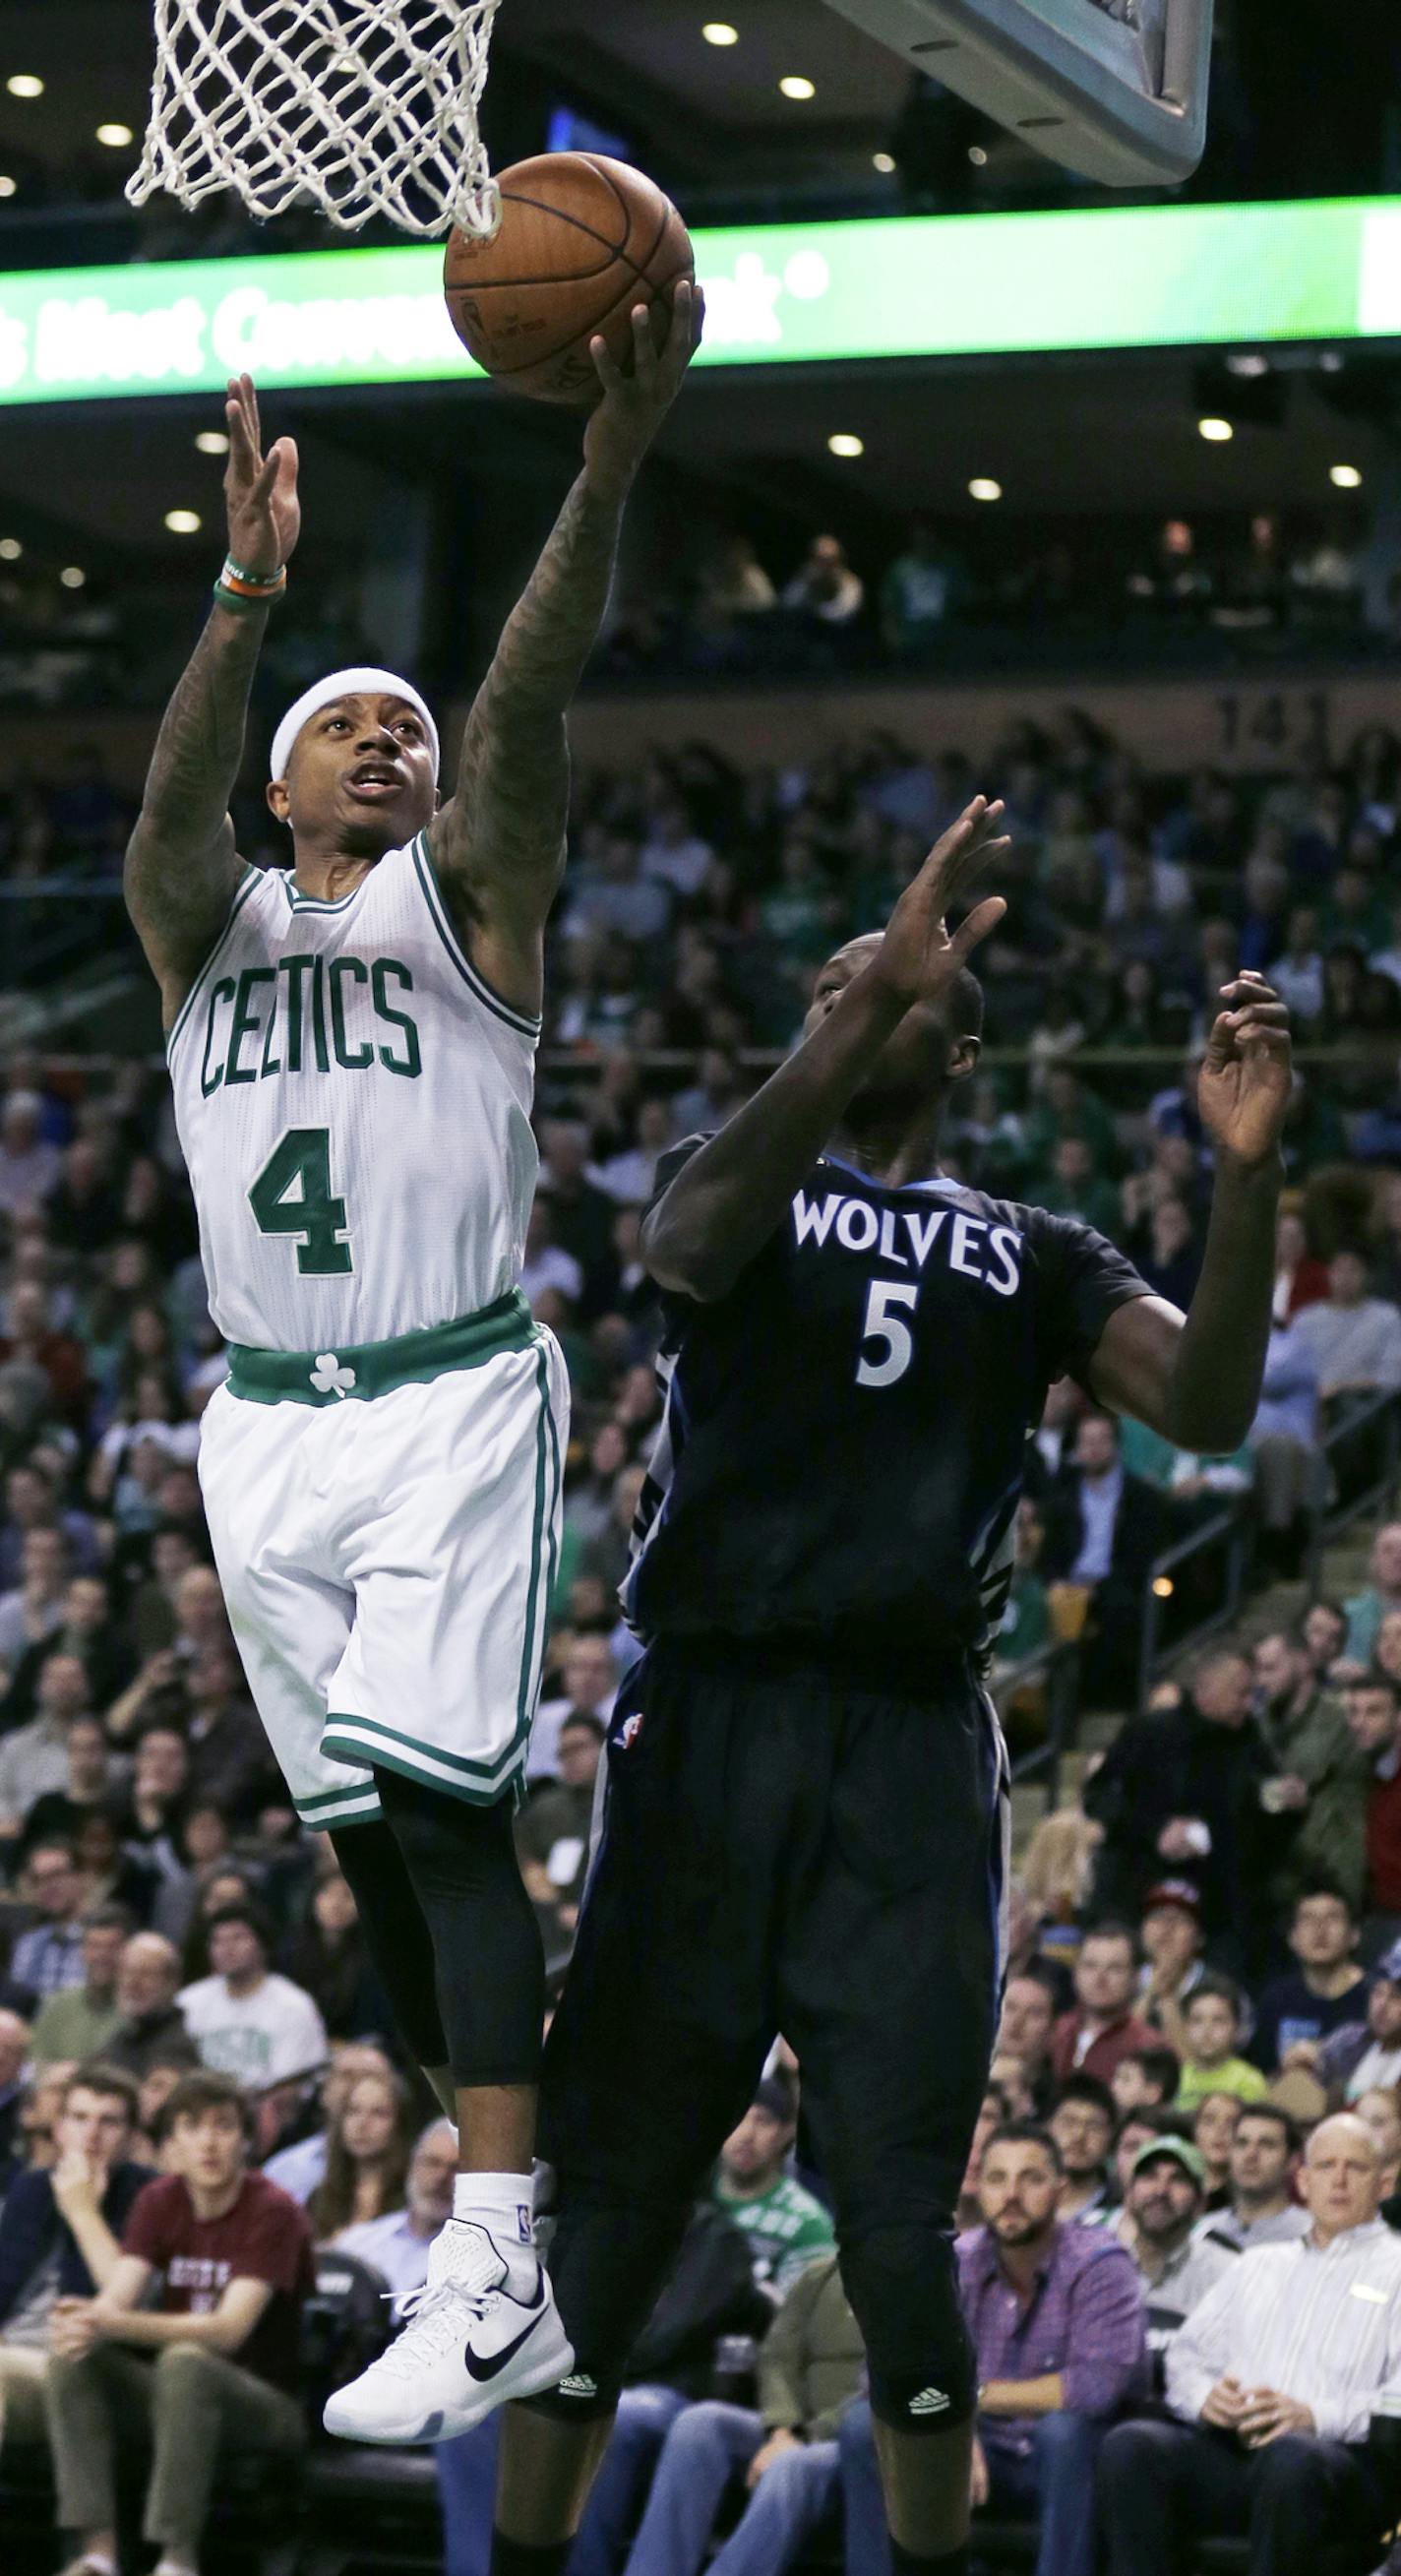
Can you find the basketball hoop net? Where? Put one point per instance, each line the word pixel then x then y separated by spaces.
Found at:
pixel 361 107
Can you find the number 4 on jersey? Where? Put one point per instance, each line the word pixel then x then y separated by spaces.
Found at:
pixel 881 1325
pixel 304 1156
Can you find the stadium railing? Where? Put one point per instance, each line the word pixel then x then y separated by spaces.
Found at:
pixel 1230 1531
pixel 1371 1432
pixel 52 926
pixel 1371 1428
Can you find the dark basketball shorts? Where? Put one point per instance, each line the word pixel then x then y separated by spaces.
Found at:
pixel 787 1846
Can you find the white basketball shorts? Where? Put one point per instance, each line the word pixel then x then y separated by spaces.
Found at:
pixel 385 1522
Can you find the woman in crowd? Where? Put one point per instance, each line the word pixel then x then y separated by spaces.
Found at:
pixel 367 2158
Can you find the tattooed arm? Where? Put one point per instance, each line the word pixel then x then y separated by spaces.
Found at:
pixel 181 865
pixel 498 845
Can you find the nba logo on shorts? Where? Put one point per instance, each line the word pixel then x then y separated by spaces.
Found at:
pixel 630 1730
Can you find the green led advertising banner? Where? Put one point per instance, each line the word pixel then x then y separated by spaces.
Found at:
pixel 777 294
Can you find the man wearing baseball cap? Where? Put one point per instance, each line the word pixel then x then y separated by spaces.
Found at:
pixel 786 2226
pixel 1171 1936
pixel 1164 2200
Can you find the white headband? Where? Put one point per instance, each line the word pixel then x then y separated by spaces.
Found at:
pixel 345 684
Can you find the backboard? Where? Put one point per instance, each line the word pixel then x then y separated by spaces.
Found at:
pixel 1113 89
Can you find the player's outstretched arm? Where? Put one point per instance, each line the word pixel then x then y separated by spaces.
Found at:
pixel 181 866
pixel 1196 1378
pixel 728 1198
pixel 498 845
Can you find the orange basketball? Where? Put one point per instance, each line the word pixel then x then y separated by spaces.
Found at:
pixel 582 240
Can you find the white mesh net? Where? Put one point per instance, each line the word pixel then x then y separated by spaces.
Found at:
pixel 361 107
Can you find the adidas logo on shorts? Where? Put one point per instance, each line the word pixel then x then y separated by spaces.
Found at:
pixel 578 2384
pixel 930 2401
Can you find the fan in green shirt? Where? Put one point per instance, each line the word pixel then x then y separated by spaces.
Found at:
pixel 787 2227
pixel 1213 2018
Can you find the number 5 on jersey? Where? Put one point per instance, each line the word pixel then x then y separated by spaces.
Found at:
pixel 889 1329
pixel 304 1156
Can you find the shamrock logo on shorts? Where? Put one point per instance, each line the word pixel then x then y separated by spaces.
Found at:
pixel 329 1377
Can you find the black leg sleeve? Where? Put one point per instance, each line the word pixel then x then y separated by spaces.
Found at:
pixel 396 1934
pixel 488 1961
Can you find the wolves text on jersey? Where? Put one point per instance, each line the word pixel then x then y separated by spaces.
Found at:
pixel 308 1011
pixel 909 1237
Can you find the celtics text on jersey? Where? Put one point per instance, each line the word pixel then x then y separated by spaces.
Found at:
pixel 353 1103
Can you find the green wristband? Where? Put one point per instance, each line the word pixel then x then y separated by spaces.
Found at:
pixel 241 601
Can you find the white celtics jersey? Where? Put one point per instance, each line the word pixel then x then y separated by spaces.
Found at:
pixel 354 1107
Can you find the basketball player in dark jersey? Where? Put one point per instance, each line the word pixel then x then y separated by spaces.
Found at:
pixel 805 1824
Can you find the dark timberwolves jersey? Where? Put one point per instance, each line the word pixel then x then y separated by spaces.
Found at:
pixel 844 1435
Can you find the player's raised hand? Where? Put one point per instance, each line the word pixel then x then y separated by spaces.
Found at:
pixel 623 424
pixel 260 492
pixel 917 955
pixel 1247 1072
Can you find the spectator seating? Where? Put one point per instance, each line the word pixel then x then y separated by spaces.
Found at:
pixel 286 2518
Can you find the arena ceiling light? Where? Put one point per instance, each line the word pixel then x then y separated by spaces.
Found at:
pixel 1215 432
pixel 183 523
pixel 116 137
pixel 212 442
pixel 844 442
pixel 984 487
pixel 7 185
pixel 1346 477
pixel 73 577
pixel 717 31
pixel 25 85
pixel 797 85
pixel 1246 390
pixel 884 162
pixel 10 550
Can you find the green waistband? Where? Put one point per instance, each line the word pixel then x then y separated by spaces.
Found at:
pixel 362 1369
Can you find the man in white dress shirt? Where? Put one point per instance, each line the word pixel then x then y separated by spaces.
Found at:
pixel 1274 2380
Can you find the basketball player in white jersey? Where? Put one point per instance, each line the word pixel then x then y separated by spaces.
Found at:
pixel 351 1047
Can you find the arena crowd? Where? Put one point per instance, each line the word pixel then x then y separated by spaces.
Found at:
pixel 1180 2253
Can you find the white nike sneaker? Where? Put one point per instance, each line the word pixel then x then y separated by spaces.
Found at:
pixel 470 2345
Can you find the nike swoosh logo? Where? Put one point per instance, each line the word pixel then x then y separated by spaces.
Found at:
pixel 483 2370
